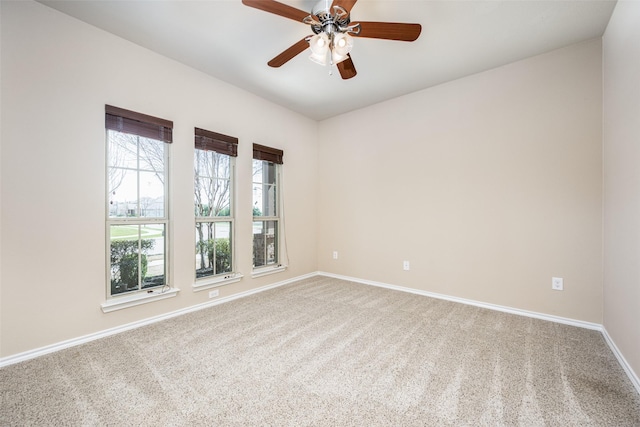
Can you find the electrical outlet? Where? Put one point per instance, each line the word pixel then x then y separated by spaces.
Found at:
pixel 335 254
pixel 214 293
pixel 557 283
pixel 405 265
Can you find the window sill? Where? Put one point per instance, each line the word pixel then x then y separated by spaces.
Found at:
pixel 264 271
pixel 119 303
pixel 218 281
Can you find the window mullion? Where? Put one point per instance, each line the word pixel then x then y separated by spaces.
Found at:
pixel 139 257
pixel 138 210
pixel 266 244
pixel 215 254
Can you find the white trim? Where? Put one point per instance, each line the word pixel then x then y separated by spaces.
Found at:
pixel 265 271
pixel 533 314
pixel 218 281
pixel 623 362
pixel 118 303
pixel 32 354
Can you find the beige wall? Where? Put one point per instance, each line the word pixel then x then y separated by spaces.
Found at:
pixel 57 75
pixel 621 44
pixel 488 185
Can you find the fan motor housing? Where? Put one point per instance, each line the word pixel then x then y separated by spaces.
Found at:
pixel 323 21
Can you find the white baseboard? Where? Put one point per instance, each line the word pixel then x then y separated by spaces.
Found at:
pixel 563 320
pixel 542 316
pixel 623 362
pixel 31 354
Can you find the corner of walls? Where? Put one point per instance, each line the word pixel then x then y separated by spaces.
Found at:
pixel 621 164
pixel 628 369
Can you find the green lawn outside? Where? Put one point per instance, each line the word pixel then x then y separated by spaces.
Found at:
pixel 130 232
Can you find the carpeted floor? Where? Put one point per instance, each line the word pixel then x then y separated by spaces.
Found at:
pixel 326 352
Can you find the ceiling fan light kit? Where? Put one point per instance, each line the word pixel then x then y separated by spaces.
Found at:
pixel 337 44
pixel 333 32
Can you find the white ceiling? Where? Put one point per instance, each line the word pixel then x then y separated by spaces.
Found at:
pixel 233 43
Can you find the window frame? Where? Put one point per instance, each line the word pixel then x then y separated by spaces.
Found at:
pixel 149 127
pixel 273 156
pixel 223 145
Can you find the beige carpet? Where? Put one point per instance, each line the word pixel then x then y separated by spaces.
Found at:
pixel 325 352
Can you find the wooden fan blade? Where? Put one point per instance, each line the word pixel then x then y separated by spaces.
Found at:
pixel 346 4
pixel 389 31
pixel 288 54
pixel 277 8
pixel 346 68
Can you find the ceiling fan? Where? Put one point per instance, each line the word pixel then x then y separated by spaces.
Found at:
pixel 333 32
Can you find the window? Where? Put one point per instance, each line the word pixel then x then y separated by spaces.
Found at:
pixel 266 209
pixel 137 214
pixel 213 174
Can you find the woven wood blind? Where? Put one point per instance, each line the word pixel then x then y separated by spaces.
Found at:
pixel 261 152
pixel 126 121
pixel 213 141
